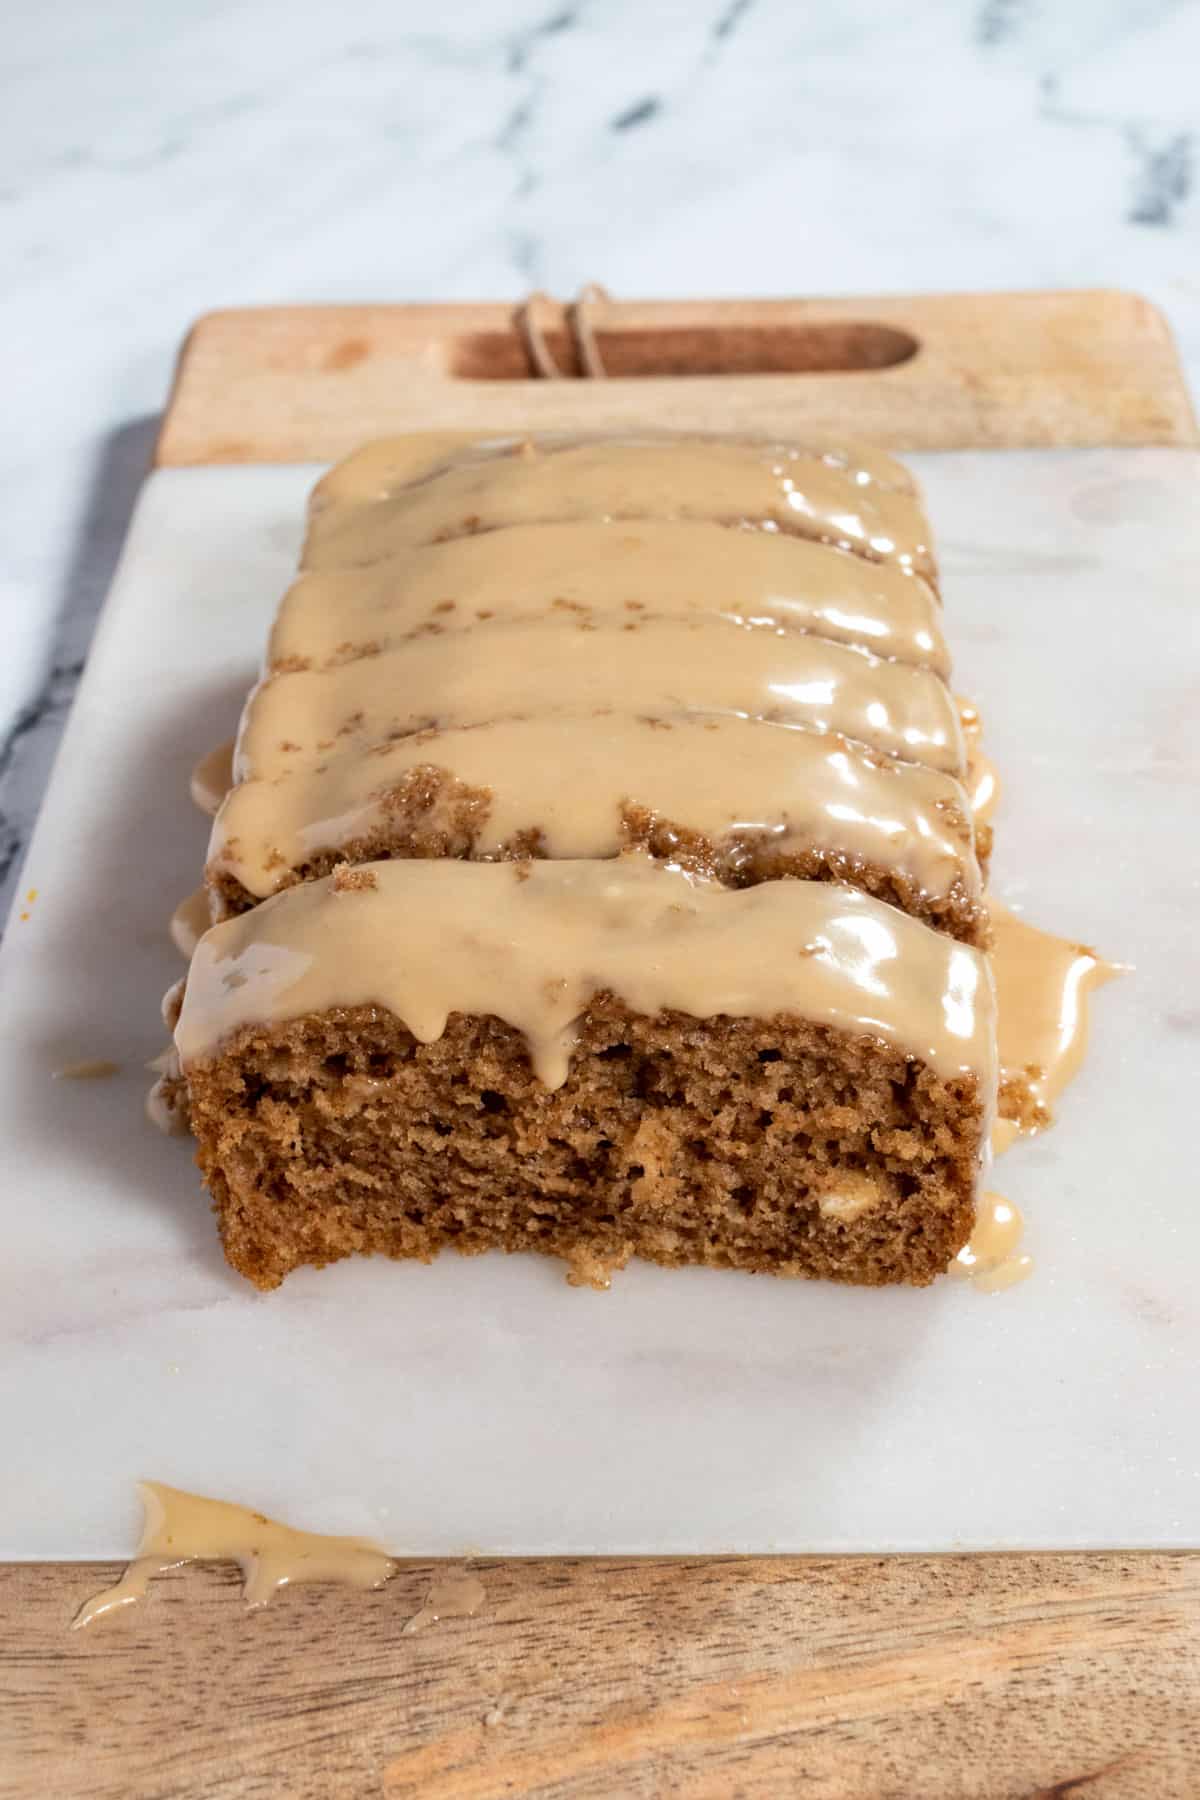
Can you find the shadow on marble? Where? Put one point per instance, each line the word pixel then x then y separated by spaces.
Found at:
pixel 113 954
pixel 27 757
pixel 123 461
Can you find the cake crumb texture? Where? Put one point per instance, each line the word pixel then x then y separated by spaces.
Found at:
pixel 772 1145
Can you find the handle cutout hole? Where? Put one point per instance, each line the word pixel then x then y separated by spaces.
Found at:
pixel 825 349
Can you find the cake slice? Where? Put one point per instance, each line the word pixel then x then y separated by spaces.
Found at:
pixel 664 668
pixel 592 1059
pixel 394 496
pixel 738 799
pixel 593 570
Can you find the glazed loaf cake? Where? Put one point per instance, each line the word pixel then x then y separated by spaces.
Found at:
pixel 599 875
pixel 481 645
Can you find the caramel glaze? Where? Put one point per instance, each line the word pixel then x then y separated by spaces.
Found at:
pixel 212 778
pixel 532 943
pixel 1043 985
pixel 454 1596
pixel 983 777
pixel 378 468
pixel 190 920
pixel 387 499
pixel 589 570
pixel 571 788
pixel 983 786
pixel 540 668
pixel 181 1528
pixel 993 1259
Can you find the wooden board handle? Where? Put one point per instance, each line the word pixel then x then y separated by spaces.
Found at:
pixel 619 351
pixel 299 384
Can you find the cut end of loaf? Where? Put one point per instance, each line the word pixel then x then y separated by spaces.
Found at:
pixel 775 1145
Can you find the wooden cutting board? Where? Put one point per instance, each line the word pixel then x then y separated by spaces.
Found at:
pixel 938 372
pixel 933 1676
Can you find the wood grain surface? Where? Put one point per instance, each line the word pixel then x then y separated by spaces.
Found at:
pixel 859 1678
pixel 831 1679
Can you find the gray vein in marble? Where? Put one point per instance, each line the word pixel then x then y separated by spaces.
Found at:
pixel 512 138
pixel 29 746
pixel 999 20
pixel 729 19
pixel 640 113
pixel 1164 177
pixel 523 44
pixel 1163 172
pixel 31 741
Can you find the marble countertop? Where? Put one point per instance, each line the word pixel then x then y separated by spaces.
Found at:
pixel 161 160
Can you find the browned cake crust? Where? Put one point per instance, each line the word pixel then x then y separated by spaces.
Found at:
pixel 776 1145
pixel 431 815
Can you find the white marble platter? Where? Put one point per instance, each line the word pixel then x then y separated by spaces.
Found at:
pixel 485 1404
